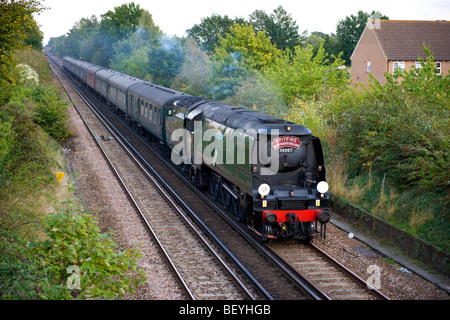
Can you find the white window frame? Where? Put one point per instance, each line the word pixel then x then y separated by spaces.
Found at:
pixel 418 65
pixel 368 66
pixel 439 68
pixel 400 64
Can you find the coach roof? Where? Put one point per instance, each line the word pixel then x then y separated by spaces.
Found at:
pixel 157 94
pixel 124 81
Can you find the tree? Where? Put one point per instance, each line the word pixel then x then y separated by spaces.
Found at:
pixel 350 29
pixel 147 25
pixel 196 73
pixel 279 26
pixel 166 60
pixel 131 54
pixel 208 33
pixel 246 47
pixel 300 73
pixel 16 26
pixel 330 44
pixel 241 53
pixel 121 22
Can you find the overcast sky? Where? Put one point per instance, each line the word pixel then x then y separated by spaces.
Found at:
pixel 175 16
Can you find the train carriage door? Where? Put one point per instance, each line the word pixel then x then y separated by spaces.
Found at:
pixel 138 108
pixel 193 125
pixel 130 105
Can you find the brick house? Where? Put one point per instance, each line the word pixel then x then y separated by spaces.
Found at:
pixel 389 44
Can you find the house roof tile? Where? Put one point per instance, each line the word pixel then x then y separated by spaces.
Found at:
pixel 404 39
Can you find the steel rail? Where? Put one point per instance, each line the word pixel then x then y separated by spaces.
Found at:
pixel 193 215
pixel 353 275
pixel 291 273
pixel 135 204
pixel 163 192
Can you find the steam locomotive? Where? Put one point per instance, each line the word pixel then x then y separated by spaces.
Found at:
pixel 269 173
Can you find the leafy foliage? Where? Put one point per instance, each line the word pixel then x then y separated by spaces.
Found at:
pixel 74 238
pixel 121 22
pixel 94 40
pixel 16 26
pixel 167 60
pixel 401 127
pixel 22 275
pixel 25 163
pixel 196 72
pixel 210 30
pixel 301 73
pixel 279 27
pixel 241 53
pixel 51 112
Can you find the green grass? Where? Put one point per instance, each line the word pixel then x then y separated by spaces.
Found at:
pixel 422 214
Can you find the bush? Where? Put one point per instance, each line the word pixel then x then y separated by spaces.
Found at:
pixel 22 276
pixel 51 112
pixel 400 128
pixel 300 73
pixel 25 162
pixel 74 239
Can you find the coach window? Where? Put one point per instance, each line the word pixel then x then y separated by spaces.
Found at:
pixel 155 114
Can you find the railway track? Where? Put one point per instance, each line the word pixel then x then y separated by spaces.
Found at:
pixel 325 287
pixel 326 273
pixel 197 264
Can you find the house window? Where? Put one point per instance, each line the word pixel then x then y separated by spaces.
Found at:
pixel 418 65
pixel 399 65
pixel 368 66
pixel 438 68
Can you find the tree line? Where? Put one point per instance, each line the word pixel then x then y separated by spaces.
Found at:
pixel 241 61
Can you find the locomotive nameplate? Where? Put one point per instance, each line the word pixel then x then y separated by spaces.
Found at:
pixel 286 143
